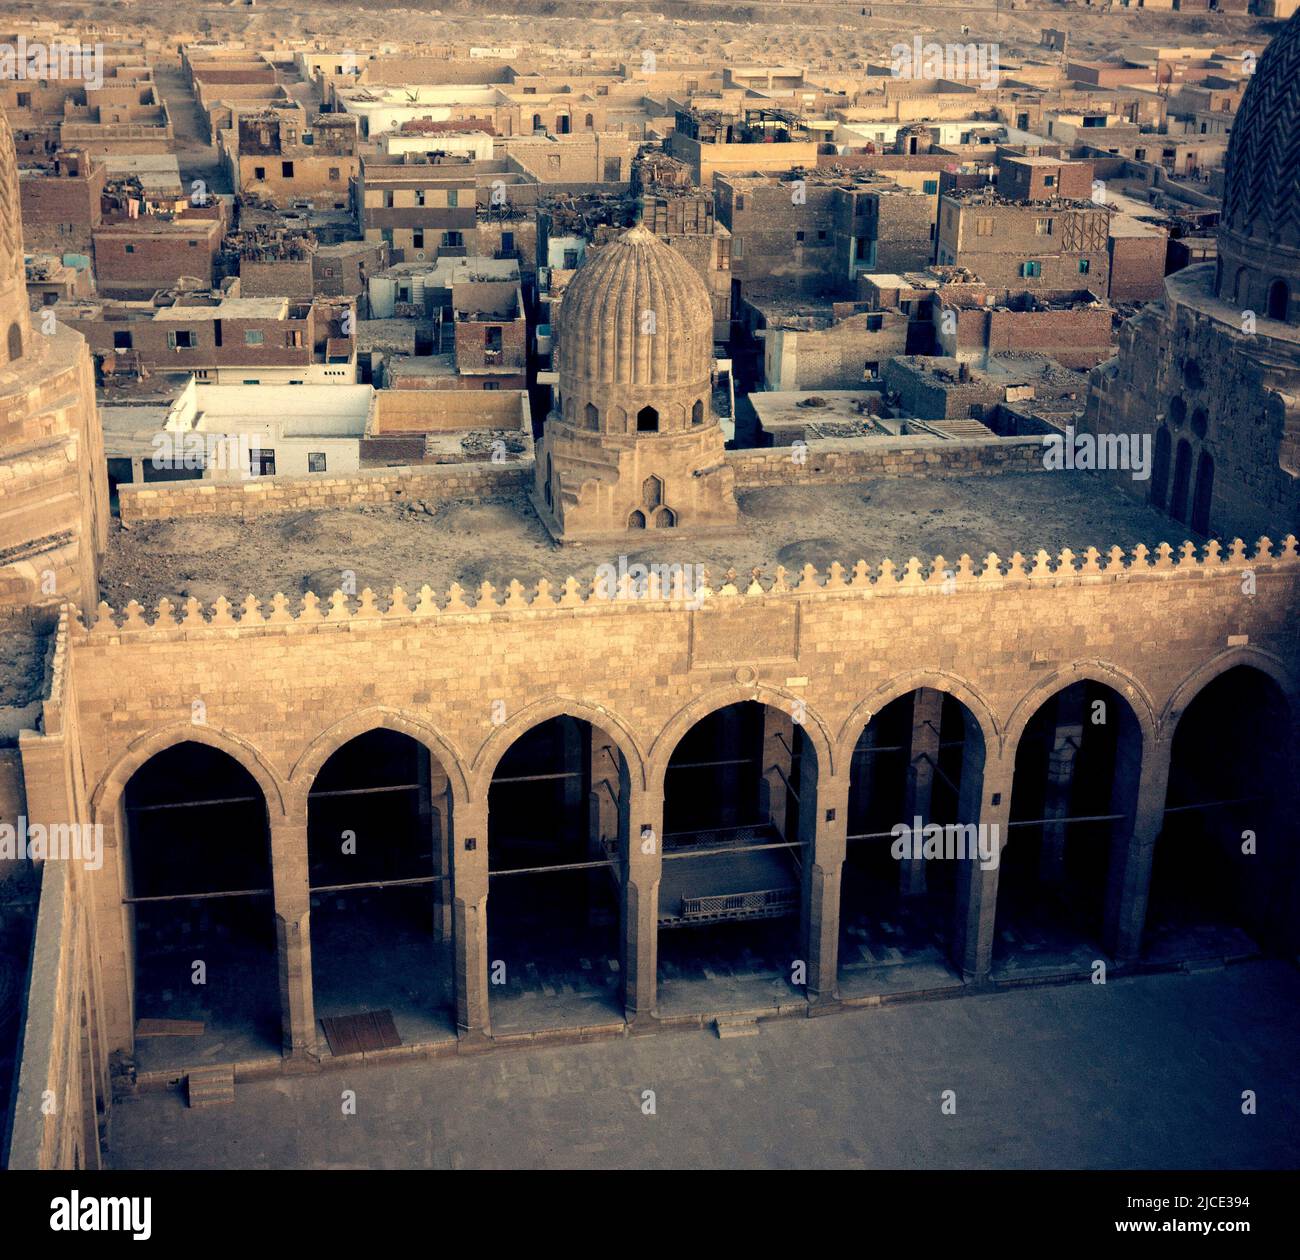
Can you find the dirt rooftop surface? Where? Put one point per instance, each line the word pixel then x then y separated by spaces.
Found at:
pixel 502 539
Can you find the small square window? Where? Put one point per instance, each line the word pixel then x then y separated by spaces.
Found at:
pixel 1084 264
pixel 253 337
pixel 130 249
pixel 315 461
pixel 798 236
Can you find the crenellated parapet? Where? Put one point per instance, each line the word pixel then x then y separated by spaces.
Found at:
pixel 680 587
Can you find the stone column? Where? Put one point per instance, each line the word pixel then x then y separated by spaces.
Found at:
pixel 1066 740
pixel 923 761
pixel 469 915
pixel 434 814
pixel 823 888
pixel 984 798
pixel 293 928
pixel 1128 879
pixel 639 930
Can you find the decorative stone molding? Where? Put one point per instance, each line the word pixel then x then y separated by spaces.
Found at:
pixel 915 578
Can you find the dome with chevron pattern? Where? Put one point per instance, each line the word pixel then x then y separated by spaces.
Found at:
pixel 1261 195
pixel 1259 227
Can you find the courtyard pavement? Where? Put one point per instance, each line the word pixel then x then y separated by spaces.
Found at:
pixel 1145 1072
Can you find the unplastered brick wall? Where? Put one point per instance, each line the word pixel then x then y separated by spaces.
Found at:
pixel 263 496
pixel 832 460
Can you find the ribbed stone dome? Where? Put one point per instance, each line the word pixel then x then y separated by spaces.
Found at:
pixel 1261 196
pixel 635 314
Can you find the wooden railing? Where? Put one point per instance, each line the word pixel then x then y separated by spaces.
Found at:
pixel 769 903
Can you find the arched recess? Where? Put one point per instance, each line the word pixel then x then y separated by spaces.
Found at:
pixel 15 342
pixel 1182 480
pixel 1079 752
pixel 1160 469
pixel 1224 875
pixel 1203 496
pixel 193 826
pixel 1279 300
pixel 558 810
pixel 380 831
pixel 740 813
pixel 916 776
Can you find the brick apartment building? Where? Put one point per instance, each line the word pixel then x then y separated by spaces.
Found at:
pixel 136 257
pixel 282 157
pixel 807 233
pixel 221 339
pixel 1059 244
pixel 61 200
pixel 1024 178
pixel 418 208
pixel 491 334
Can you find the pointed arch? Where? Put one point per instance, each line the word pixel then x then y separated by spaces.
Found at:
pixel 1229 658
pixel 111 786
pixel 777 697
pixel 895 688
pixel 522 721
pixel 333 737
pixel 1120 682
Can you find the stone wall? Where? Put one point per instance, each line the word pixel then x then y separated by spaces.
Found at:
pixel 827 461
pixel 837 461
pixel 161 500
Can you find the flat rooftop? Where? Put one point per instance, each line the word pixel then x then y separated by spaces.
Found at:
pixel 227 308
pixel 502 540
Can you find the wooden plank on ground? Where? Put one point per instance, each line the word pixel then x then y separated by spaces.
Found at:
pixel 355 1034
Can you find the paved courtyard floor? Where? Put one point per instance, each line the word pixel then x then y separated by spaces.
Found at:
pixel 1146 1072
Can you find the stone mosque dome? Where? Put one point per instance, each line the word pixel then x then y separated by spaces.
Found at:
pixel 1259 228
pixel 636 314
pixel 632 442
pixel 15 321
